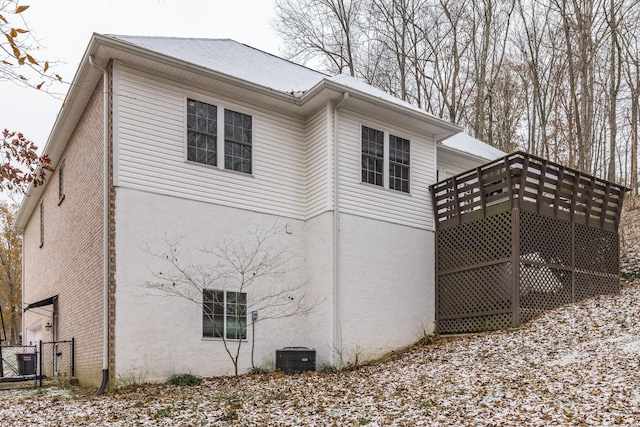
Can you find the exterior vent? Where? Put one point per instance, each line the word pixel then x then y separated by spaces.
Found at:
pixel 293 360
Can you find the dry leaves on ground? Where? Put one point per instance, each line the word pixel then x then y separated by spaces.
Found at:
pixel 577 365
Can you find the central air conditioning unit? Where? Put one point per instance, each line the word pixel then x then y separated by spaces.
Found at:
pixel 294 360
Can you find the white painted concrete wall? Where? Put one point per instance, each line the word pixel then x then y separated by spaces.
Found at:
pixel 319 273
pixel 385 296
pixel 158 335
pixel 386 286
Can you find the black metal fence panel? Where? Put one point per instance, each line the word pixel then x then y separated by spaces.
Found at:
pixel 57 360
pixel 19 364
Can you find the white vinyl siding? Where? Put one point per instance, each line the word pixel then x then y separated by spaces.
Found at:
pixel 151 136
pixel 318 162
pixel 374 202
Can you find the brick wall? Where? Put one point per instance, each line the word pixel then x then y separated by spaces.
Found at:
pixel 70 262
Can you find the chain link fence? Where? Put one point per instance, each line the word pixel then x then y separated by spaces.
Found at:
pixel 57 361
pixel 19 366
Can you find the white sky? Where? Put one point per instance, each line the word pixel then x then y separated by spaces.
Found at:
pixel 64 28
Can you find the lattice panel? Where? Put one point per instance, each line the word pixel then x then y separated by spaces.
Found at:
pixel 545 239
pixel 596 250
pixel 476 242
pixel 475 324
pixel 475 292
pixel 542 288
pixel 588 285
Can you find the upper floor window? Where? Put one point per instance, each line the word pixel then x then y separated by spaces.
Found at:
pixel 398 163
pixel 385 159
pixel 206 140
pixel 372 156
pixel 202 132
pixel 237 141
pixel 224 314
pixel 61 182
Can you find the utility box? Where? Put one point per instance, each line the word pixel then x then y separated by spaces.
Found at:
pixel 294 360
pixel 26 363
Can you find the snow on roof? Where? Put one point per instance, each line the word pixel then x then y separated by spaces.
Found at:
pixel 353 83
pixel 253 65
pixel 471 145
pixel 234 59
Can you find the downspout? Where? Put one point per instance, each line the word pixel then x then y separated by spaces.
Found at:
pixel 336 225
pixel 23 330
pixel 105 231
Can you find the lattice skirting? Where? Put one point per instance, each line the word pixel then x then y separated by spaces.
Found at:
pixel 480 287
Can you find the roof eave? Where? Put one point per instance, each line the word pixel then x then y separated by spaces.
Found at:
pixel 127 47
pixel 446 129
pixel 80 89
pixel 467 154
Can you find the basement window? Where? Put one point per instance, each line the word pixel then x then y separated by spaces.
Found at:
pixel 224 314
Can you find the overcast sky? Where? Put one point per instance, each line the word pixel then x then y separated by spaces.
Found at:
pixel 64 28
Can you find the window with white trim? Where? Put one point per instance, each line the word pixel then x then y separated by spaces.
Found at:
pixel 224 314
pixel 237 141
pixel 372 156
pixel 385 159
pixel 206 141
pixel 398 163
pixel 202 132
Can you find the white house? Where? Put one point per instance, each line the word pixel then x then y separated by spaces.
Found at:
pixel 201 141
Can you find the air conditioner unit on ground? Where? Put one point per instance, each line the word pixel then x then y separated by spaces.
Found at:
pixel 292 360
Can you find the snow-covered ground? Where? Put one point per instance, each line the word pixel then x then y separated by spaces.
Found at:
pixel 577 365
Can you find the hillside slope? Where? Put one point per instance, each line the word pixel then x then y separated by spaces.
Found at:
pixel 576 365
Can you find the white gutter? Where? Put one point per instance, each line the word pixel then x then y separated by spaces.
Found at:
pixel 105 231
pixel 336 225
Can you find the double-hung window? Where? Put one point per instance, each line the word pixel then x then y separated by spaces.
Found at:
pixel 219 137
pixel 224 314
pixel 385 159
pixel 398 163
pixel 202 132
pixel 372 156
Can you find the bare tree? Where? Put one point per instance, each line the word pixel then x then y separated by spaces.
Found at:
pixel 490 22
pixel 556 78
pixel 329 30
pixel 238 281
pixel 630 41
pixel 446 78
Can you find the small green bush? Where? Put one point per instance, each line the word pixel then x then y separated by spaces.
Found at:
pixel 184 379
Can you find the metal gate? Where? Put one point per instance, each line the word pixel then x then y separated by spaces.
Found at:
pixel 57 360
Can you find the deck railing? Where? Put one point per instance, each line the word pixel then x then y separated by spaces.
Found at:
pixel 518 236
pixel 529 183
